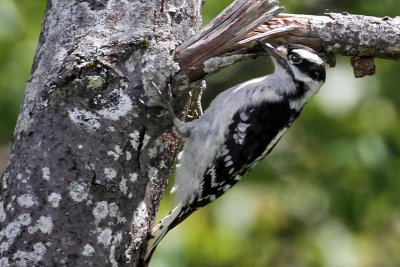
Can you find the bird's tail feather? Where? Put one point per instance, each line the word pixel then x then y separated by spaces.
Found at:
pixel 160 230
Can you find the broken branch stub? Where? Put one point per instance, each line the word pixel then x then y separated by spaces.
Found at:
pixel 225 30
pixel 363 66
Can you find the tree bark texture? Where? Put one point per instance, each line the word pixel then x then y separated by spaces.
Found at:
pixel 342 33
pixel 89 161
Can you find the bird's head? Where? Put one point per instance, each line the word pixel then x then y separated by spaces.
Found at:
pixel 301 64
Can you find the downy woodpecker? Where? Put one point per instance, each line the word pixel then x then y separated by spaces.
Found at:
pixel 241 126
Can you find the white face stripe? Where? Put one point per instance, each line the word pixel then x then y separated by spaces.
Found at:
pixel 308 55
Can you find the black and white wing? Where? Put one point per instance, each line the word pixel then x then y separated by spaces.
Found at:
pixel 252 134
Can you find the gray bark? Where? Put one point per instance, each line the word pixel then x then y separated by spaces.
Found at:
pixel 346 34
pixel 89 162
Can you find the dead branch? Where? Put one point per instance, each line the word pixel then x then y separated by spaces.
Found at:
pixel 230 37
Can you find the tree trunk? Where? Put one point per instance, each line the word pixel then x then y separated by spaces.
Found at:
pixel 86 173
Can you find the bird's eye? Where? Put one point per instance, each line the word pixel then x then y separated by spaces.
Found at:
pixel 296 59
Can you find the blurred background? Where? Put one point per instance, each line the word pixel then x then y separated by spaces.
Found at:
pixel 328 195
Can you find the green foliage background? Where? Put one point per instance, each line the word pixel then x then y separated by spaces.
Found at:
pixel 328 195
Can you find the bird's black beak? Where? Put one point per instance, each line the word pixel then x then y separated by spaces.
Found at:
pixel 274 53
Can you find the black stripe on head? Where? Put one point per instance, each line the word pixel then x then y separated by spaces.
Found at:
pixel 315 71
pixel 314 67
